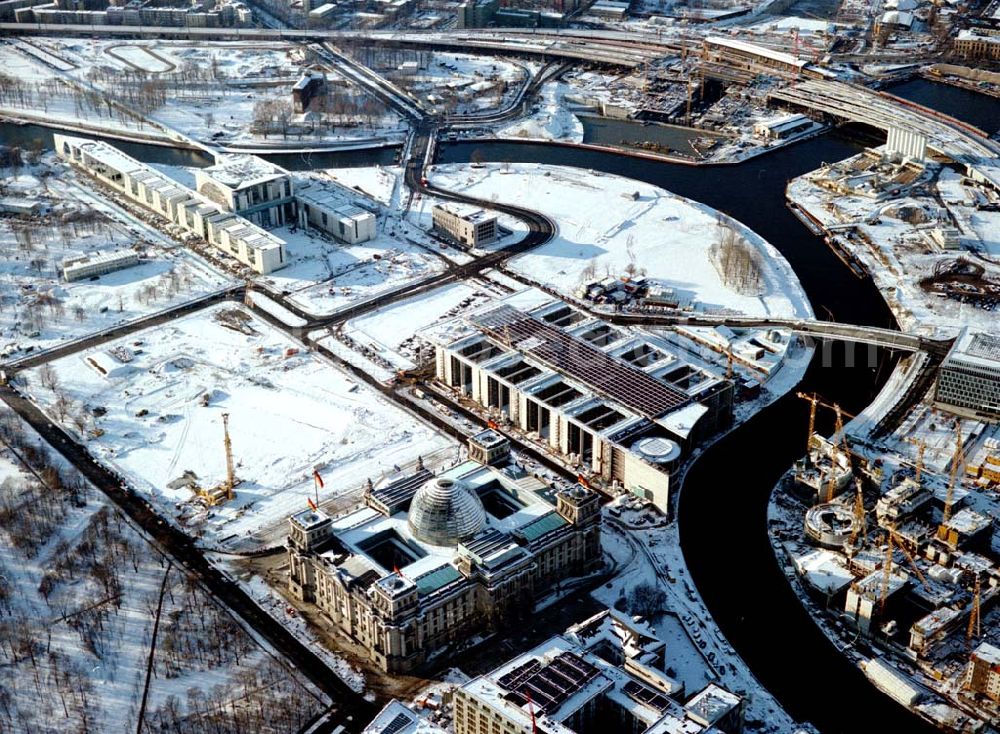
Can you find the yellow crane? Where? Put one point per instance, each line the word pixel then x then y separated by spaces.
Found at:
pixel 813 400
pixel 974 621
pixel 860 521
pixel 956 461
pixel 230 473
pixel 921 445
pixel 894 541
pixel 886 572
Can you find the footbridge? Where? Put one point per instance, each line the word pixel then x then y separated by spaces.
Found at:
pixel 628 50
pixel 881 337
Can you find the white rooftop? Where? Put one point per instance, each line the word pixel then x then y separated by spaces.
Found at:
pixel 240 171
pixel 753 48
pixel 988 653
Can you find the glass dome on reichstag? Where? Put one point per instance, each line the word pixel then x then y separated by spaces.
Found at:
pixel 445 512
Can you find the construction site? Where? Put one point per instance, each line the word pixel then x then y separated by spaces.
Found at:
pixel 890 545
pixel 190 413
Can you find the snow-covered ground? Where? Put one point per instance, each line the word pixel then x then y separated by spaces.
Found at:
pixel 323 276
pixel 80 590
pixel 552 120
pixel 213 92
pixel 377 182
pixel 39 309
pixel 290 413
pixel 608 222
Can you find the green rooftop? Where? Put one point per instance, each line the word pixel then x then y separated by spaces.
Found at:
pixel 543 525
pixel 437 579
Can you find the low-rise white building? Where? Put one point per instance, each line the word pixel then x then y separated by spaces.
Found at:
pixel 97 263
pixel 782 127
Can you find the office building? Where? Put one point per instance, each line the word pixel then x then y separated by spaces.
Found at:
pixel 623 406
pixel 250 187
pixel 140 184
pixel 983 674
pixel 969 379
pixel 470 226
pixel 562 687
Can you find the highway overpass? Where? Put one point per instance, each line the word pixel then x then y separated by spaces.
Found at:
pixel 613 48
pixel 945 135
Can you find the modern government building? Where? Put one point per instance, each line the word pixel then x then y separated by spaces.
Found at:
pixel 606 673
pixel 623 405
pixel 236 200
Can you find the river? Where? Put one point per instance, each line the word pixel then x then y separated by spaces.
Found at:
pixel 722 511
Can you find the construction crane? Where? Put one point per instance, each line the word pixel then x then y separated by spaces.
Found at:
pixel 230 473
pixel 860 521
pixel 835 446
pixel 974 621
pixel 956 461
pixel 815 401
pixel 891 536
pixel 921 445
pixel 886 573
pixel 900 543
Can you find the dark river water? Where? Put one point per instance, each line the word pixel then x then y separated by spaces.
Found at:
pixel 722 511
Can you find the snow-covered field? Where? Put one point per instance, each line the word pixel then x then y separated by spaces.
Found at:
pixel 383 342
pixel 39 309
pixel 324 276
pixel 289 414
pixel 607 222
pixel 378 182
pixel 79 591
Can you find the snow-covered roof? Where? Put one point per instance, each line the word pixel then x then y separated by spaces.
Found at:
pixel 975 348
pixel 972 34
pixel 240 171
pixel 396 718
pixel 753 48
pixel 468 212
pixel 824 571
pixel 711 704
pixel 988 653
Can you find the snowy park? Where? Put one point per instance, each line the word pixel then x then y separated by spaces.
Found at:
pixel 609 225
